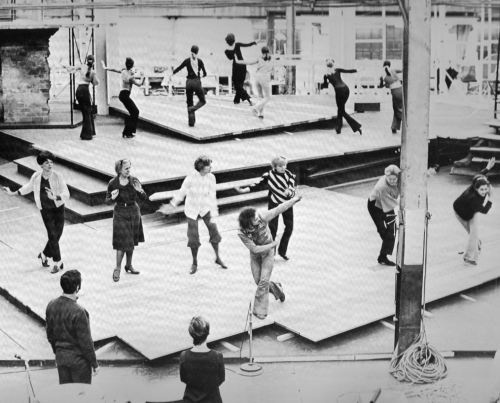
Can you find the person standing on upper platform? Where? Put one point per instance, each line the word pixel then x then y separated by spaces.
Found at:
pixel 341 95
pixel 474 200
pixel 233 52
pixel 86 76
pixel 193 83
pixel 392 82
pixel 383 199
pixel 128 79
pixel 198 189
pixel 281 184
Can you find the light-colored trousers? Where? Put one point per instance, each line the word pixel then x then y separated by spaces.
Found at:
pixel 263 86
pixel 262 268
pixel 473 243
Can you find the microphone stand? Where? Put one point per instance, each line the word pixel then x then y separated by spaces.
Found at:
pixel 250 366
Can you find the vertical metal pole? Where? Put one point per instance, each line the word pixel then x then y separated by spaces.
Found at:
pixel 93 52
pixel 414 161
pixel 70 40
pixel 496 78
pixel 290 47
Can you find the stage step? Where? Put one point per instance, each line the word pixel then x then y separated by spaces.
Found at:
pixel 471 171
pixel 486 151
pixel 490 137
pixel 76 211
pixel 89 190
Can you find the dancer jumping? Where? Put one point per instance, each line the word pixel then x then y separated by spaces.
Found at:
pixel 239 70
pixel 193 83
pixel 86 76
pixel 341 95
pixel 128 79
pixel 392 82
pixel 262 79
pixel 198 189
pixel 383 199
pixel 281 184
pixel 254 232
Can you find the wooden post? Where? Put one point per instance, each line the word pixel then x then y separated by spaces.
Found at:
pixel 290 47
pixel 270 30
pixel 414 160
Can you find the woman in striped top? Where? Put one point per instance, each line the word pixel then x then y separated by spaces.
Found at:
pixel 281 184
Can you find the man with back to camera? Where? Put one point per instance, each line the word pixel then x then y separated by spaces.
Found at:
pixel 68 332
pixel 233 52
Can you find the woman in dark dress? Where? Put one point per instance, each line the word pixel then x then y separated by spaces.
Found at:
pixel 201 369
pixel 475 199
pixel 341 95
pixel 50 193
pixel 123 190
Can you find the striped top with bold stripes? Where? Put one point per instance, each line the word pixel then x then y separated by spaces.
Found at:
pixel 277 184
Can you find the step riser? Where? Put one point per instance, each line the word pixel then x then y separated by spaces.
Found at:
pixel 338 178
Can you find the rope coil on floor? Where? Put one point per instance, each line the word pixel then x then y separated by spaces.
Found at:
pixel 420 363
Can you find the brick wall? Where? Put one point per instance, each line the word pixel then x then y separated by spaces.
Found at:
pixel 25 75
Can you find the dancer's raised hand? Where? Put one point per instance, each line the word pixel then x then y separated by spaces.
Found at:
pixel 114 194
pixel 491 163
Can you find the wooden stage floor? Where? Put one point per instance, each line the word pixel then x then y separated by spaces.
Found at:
pixel 332 281
pixel 221 118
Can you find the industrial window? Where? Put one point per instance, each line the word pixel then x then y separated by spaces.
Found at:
pixel 393 43
pixel 369 43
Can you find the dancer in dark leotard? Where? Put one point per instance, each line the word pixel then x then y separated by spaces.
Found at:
pixel 341 95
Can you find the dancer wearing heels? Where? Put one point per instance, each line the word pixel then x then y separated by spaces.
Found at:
pixel 383 199
pixel 392 82
pixel 128 79
pixel 254 232
pixel 123 190
pixel 50 192
pixel 341 95
pixel 239 69
pixel 474 200
pixel 193 83
pixel 86 76
pixel 262 79
pixel 198 189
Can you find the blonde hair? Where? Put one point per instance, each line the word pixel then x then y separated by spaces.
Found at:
pixel 392 170
pixel 275 161
pixel 199 329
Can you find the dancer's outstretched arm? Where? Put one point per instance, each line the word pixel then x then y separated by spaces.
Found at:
pixel 109 68
pixel 238 61
pixel 270 214
pixel 259 248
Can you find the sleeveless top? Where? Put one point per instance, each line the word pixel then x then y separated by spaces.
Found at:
pixel 125 83
pixel 264 67
pixel 81 76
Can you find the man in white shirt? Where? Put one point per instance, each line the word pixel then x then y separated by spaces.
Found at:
pixel 198 189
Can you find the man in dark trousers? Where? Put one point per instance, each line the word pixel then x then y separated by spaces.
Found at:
pixel 239 70
pixel 68 332
pixel 193 83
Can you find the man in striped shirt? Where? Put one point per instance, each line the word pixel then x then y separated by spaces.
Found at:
pixel 281 184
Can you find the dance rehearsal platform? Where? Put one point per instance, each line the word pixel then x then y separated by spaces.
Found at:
pixel 220 117
pixel 332 281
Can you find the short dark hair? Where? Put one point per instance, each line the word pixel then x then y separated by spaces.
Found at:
pixel 230 39
pixel 202 162
pixel 264 49
pixel 199 329
pixel 480 180
pixel 70 281
pixel 129 62
pixel 195 49
pixel 44 156
pixel 246 217
pixel 387 63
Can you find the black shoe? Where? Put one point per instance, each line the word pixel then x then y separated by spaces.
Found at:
pixel 128 136
pixel 193 269
pixel 220 263
pixel 191 118
pixel 261 317
pixel 394 131
pixel 338 131
pixel 250 102
pixel 130 269
pixel 282 293
pixel 45 263
pixel 284 256
pixel 386 261
pixel 360 132
pixel 57 268
pixel 236 103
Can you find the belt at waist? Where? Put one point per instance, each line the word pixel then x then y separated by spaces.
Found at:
pixel 126 204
